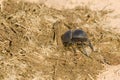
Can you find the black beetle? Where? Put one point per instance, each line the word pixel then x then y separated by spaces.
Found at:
pixel 76 37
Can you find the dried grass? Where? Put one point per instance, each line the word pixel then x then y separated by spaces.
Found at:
pixel 30 45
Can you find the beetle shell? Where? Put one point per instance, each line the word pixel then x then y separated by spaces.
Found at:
pixel 67 36
pixel 79 35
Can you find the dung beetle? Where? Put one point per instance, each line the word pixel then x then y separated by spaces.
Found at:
pixel 78 37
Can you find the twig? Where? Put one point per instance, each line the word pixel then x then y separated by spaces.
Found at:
pixel 91 77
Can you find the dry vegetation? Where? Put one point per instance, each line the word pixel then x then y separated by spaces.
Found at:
pixel 31 48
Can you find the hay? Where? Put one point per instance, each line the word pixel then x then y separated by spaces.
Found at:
pixel 30 45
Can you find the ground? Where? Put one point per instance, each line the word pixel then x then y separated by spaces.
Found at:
pixel 31 47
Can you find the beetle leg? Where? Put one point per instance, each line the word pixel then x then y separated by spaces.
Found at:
pixel 90 45
pixel 84 51
pixel 73 48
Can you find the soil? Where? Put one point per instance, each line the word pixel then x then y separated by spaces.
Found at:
pixel 31 46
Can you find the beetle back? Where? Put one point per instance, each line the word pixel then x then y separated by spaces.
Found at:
pixel 79 35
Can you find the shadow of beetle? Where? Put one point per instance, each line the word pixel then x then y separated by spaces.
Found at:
pixel 77 37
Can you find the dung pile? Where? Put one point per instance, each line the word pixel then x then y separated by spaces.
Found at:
pixel 31 48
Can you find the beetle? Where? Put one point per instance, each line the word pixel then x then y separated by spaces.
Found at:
pixel 78 37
